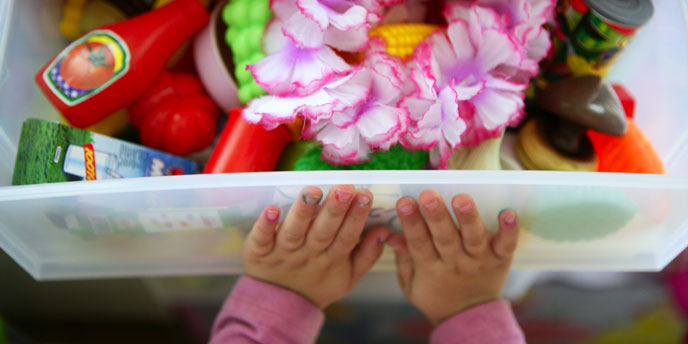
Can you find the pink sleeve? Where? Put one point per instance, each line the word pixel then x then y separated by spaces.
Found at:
pixel 492 322
pixel 259 312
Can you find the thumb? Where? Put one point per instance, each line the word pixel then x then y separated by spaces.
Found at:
pixel 368 251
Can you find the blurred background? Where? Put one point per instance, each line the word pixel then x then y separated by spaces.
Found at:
pixel 551 308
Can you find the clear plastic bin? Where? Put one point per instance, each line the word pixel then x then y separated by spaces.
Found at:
pixel 195 224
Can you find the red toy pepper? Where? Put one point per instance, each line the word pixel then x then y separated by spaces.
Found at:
pixel 107 68
pixel 175 114
pixel 246 147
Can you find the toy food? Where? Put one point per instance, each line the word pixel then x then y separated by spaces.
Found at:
pixel 111 125
pixel 631 153
pixel 109 67
pixel 556 139
pixel 81 16
pixel 50 152
pixel 591 34
pixel 627 100
pixel 214 63
pixel 485 156
pixel 575 213
pixel 245 22
pixel 402 39
pixel 175 114
pixel 245 147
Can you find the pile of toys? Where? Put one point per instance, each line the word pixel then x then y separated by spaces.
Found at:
pixel 352 84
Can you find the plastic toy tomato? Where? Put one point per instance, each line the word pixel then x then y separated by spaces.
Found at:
pixel 175 114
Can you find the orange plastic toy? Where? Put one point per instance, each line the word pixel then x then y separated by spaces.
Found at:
pixel 631 153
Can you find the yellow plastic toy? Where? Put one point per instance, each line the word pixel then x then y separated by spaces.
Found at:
pixel 110 125
pixel 401 39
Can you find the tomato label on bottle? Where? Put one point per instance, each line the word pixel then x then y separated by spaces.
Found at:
pixel 87 66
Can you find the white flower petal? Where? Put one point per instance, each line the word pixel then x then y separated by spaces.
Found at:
pixel 497 48
pixel 494 107
pixel 352 40
pixel 415 106
pixel 379 124
pixel 297 72
pixel 354 17
pixel 304 32
pixel 452 123
pixel 283 9
pixel 273 38
pixel 314 10
pixel 458 34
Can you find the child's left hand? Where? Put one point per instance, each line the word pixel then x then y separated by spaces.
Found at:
pixel 318 255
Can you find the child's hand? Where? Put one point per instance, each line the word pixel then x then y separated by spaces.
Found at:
pixel 316 255
pixel 443 270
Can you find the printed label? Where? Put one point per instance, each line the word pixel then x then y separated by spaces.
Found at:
pixel 87 66
pixel 90 161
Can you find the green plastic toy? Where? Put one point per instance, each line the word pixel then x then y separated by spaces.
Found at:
pixel 246 20
pixel 397 158
pixel 576 213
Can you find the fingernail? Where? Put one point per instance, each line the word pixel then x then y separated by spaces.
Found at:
pixel 272 215
pixel 310 198
pixel 406 209
pixel 465 208
pixel 362 200
pixel 343 196
pixel 431 204
pixel 509 219
pixel 381 240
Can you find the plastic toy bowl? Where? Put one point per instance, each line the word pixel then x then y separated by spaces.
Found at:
pixel 213 69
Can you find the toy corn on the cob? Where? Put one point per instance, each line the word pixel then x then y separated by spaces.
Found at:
pixel 401 39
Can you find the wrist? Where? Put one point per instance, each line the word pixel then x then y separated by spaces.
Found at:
pixel 436 318
pixel 304 295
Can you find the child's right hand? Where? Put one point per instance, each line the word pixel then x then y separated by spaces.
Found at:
pixel 443 270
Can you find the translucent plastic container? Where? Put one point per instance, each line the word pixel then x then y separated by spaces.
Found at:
pixel 195 224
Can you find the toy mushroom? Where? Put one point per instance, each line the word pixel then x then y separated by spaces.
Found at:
pixel 556 139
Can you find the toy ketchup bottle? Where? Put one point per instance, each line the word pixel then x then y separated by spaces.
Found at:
pixel 111 66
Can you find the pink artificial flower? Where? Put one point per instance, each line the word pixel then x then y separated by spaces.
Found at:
pixel 341 24
pixel 461 94
pixel 523 18
pixel 340 94
pixel 349 136
pixel 436 125
pixel 293 71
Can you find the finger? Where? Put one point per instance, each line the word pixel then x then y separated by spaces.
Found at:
pixel 505 241
pixel 368 251
pixel 350 230
pixel 330 217
pixel 403 259
pixel 445 235
pixel 415 231
pixel 473 234
pixel 292 232
pixel 261 239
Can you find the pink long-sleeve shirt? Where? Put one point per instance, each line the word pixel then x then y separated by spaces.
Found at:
pixel 259 312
